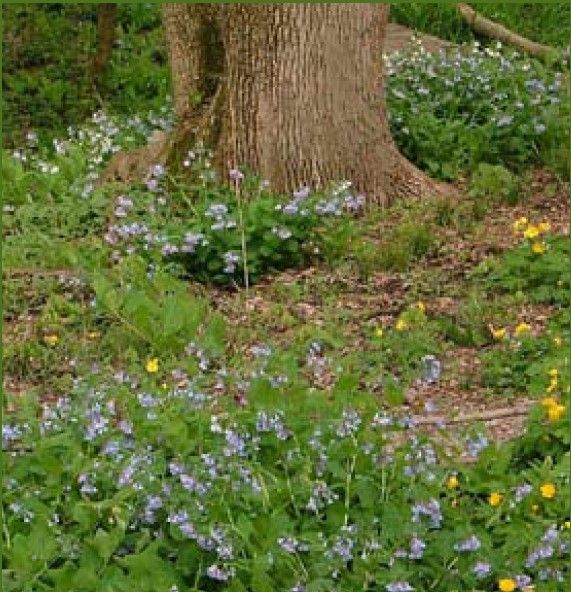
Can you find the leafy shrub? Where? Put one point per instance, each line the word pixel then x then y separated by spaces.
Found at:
pixel 408 242
pixel 228 237
pixel 495 183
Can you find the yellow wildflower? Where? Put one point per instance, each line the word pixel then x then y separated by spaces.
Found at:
pixel 548 402
pixel 522 328
pixel 93 335
pixel 519 224
pixel 553 372
pixel 495 499
pixel 548 490
pixel 531 232
pixel 555 412
pixel 544 227
pixel 498 333
pixel 552 385
pixel 421 306
pixel 452 482
pixel 379 331
pixel 567 524
pixel 535 508
pixel 51 339
pixel 538 247
pixel 557 341
pixel 152 365
pixel 507 585
pixel 401 325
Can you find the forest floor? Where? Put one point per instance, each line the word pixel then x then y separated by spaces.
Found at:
pixel 402 38
pixel 346 304
pixel 343 303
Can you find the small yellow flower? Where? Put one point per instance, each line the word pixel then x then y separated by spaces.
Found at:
pixel 152 366
pixel 552 385
pixel 401 325
pixel 567 524
pixel 535 508
pixel 548 490
pixel 498 334
pixel 51 339
pixel 538 247
pixel 555 412
pixel 452 482
pixel 543 227
pixel 93 335
pixel 421 306
pixel 379 331
pixel 520 224
pixel 522 328
pixel 507 585
pixel 557 341
pixel 553 372
pixel 531 232
pixel 495 499
pixel 548 402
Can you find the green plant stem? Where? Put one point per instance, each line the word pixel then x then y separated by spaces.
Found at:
pixel 242 234
pixel 348 487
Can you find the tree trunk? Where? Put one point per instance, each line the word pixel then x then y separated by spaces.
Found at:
pixel 293 92
pixel 106 25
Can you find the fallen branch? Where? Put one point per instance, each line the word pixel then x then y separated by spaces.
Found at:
pixel 491 29
pixel 17 273
pixel 482 416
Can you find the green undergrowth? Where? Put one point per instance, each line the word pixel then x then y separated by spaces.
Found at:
pixel 47 86
pixel 174 430
pixel 538 22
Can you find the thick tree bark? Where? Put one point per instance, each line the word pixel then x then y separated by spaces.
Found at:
pixel 304 99
pixel 106 25
pixel 293 92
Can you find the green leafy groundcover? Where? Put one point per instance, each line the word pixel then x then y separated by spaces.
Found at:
pixel 541 277
pixel 127 485
pixel 230 235
pixel 450 112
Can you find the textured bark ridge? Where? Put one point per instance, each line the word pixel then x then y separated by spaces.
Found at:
pixel 291 91
pixel 305 98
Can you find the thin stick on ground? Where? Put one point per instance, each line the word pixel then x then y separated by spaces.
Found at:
pixel 482 416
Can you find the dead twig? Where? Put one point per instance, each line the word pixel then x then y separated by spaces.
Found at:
pixel 482 416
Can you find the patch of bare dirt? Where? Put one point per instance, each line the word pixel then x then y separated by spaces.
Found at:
pixel 400 38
